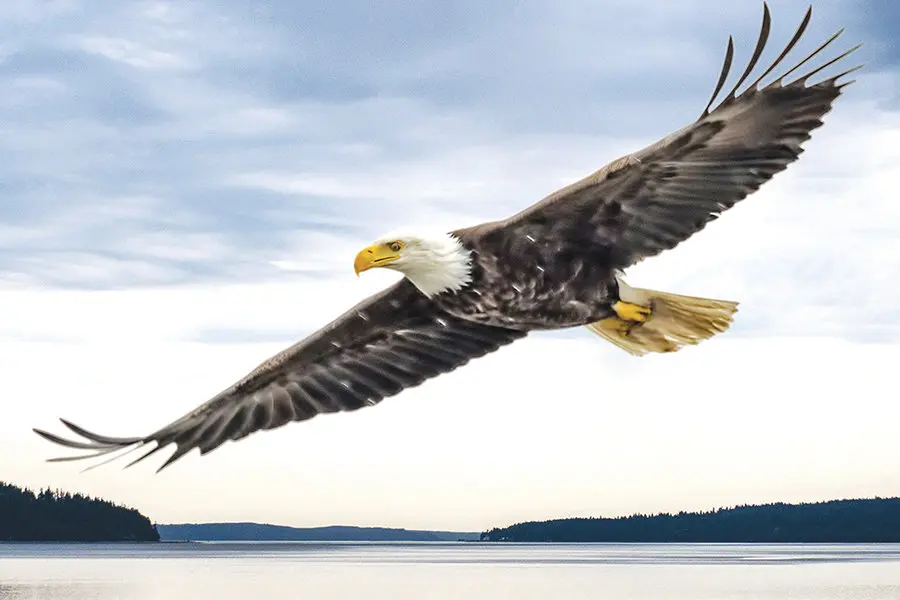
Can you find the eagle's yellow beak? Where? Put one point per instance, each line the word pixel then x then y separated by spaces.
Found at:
pixel 377 255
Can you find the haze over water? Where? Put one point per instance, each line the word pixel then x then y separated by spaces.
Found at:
pixel 336 571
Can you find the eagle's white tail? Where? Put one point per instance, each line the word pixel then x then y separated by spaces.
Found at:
pixel 674 321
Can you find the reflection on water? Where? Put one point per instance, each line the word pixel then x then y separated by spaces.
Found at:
pixel 226 571
pixel 72 590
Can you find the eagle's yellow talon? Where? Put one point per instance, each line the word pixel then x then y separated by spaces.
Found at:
pixel 631 312
pixel 620 326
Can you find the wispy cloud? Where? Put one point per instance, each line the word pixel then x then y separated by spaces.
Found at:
pixel 131 54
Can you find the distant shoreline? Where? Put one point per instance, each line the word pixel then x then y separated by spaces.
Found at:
pixel 857 521
pixel 289 543
pixel 263 532
pixel 53 516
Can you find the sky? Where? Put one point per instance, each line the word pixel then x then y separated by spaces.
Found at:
pixel 183 188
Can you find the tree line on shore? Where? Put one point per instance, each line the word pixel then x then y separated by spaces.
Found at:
pixel 57 516
pixel 875 520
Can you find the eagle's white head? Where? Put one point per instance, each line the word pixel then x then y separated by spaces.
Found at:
pixel 433 263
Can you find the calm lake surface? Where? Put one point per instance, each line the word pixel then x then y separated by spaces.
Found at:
pixel 468 571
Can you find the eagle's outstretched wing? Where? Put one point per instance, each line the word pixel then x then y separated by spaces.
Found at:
pixel 394 340
pixel 654 199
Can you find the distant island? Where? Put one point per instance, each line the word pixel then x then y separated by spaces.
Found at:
pixel 55 516
pixel 258 532
pixel 838 521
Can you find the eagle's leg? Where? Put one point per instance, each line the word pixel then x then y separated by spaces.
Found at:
pixel 631 313
pixel 627 317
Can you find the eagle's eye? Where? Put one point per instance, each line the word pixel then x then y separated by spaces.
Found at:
pixel 395 246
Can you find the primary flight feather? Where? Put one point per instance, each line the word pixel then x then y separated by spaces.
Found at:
pixel 557 264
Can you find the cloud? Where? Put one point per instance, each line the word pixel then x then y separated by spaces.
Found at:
pixel 185 187
pixel 131 54
pixel 256 119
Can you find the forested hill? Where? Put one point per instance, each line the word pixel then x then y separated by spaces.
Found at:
pixel 873 520
pixel 54 516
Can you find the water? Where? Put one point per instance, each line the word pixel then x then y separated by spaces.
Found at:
pixel 444 571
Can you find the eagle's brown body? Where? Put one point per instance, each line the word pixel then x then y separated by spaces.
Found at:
pixel 533 282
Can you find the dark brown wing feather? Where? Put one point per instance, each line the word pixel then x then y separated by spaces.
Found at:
pixel 392 341
pixel 654 199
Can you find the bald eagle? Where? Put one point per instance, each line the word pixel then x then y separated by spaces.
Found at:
pixel 557 264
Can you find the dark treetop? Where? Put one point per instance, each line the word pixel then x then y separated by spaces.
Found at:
pixel 852 521
pixel 55 516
